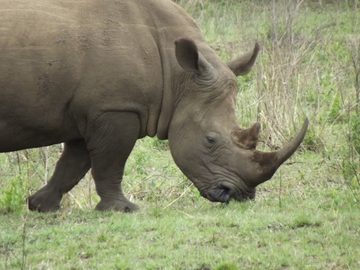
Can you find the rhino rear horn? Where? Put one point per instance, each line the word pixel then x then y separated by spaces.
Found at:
pixel 248 138
pixel 263 165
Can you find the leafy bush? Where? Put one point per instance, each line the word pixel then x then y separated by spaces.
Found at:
pixel 13 195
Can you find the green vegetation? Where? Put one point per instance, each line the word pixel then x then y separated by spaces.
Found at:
pixel 307 217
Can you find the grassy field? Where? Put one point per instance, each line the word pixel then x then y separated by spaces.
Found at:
pixel 306 217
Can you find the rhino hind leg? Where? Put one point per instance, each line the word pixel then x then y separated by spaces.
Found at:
pixel 110 142
pixel 70 169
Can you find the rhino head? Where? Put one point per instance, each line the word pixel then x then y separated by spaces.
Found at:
pixel 206 142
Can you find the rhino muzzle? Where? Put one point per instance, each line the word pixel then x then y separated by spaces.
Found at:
pixel 226 192
pixel 219 194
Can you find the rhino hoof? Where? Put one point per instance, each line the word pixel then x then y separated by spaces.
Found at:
pixel 118 205
pixel 44 201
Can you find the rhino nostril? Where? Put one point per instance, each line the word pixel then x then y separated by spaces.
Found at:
pixel 220 194
pixel 226 194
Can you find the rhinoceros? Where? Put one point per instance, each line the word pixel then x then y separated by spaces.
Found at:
pixel 98 75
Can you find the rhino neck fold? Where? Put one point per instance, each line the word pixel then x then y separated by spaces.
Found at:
pixel 165 39
pixel 167 102
pixel 173 91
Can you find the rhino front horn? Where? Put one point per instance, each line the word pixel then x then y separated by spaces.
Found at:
pixel 262 166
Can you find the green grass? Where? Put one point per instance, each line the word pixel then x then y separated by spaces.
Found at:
pixel 306 217
pixel 313 234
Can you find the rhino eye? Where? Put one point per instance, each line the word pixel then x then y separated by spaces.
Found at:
pixel 210 139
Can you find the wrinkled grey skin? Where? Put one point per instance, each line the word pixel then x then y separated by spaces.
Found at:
pixel 97 75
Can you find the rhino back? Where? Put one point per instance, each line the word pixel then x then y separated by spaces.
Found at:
pixel 64 63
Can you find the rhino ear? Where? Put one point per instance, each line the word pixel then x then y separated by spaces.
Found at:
pixel 189 58
pixel 243 64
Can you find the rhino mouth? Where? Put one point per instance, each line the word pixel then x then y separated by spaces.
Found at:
pixel 224 193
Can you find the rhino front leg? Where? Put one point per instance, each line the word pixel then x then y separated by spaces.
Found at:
pixel 70 169
pixel 110 142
